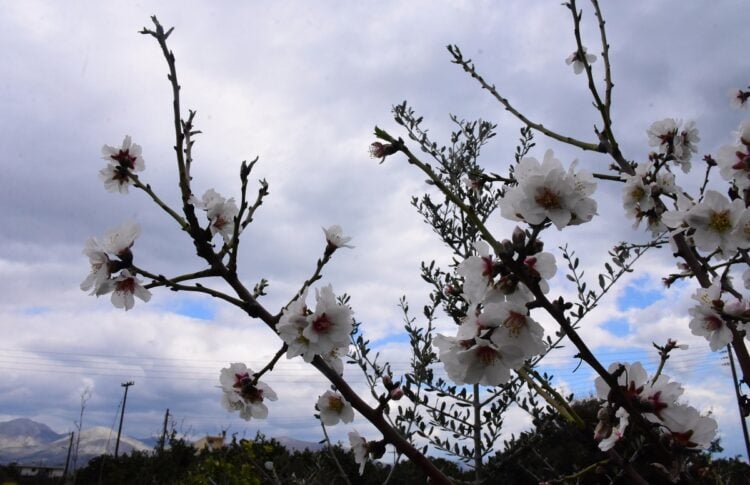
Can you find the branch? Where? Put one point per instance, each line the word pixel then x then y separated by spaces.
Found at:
pixel 161 280
pixel 147 188
pixel 469 68
pixel 271 364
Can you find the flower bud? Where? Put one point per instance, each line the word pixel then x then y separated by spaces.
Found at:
pixel 268 466
pixel 519 237
pixel 506 247
pixel 397 394
pixel 381 150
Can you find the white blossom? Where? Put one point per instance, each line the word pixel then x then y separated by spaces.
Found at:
pixel 579 59
pixel 330 324
pixel 546 191
pixel 240 394
pixel 734 163
pixel 335 237
pixel 221 215
pixel 542 265
pixel 488 364
pixel 513 326
pixel 477 272
pixel 617 432
pixel 714 220
pixel 689 429
pixel 99 261
pixel 119 240
pixel 334 408
pixel 123 161
pixel 359 448
pixel 124 287
pixel 743 133
pixel 294 319
pixel 670 139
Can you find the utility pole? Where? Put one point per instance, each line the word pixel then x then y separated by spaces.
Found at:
pixel 741 402
pixel 67 460
pixel 164 431
pixel 122 414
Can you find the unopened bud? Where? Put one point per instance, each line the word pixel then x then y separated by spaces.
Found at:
pixel 382 150
pixel 387 381
pixel 519 237
pixel 506 247
pixel 397 394
pixel 376 449
pixel 268 465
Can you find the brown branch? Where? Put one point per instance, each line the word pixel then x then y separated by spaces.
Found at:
pixel 469 68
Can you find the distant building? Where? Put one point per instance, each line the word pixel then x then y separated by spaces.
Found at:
pixel 40 471
pixel 210 443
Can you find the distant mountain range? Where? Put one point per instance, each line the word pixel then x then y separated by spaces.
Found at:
pixel 28 442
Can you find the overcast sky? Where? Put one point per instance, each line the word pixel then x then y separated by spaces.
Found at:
pixel 302 84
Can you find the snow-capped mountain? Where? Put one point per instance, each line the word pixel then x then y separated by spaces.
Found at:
pixel 19 433
pixel 26 441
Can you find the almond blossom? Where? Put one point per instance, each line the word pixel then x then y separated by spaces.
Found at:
pixel 292 323
pixel 477 272
pixel 100 271
pixel 616 433
pixel 335 238
pixel 119 240
pixel 546 191
pixel 707 322
pixel 221 213
pixel 689 429
pixel 672 139
pixel 241 394
pixel 541 265
pixel 330 324
pixel 714 220
pixel 486 363
pixel 734 160
pixel 324 332
pixel 222 216
pixel 122 162
pixel 124 288
pixel 513 326
pixel 579 59
pixel 334 408
pixel 360 450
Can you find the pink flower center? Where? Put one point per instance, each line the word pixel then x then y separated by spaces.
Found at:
pixel 125 159
pixel 515 322
pixel 322 324
pixel 712 323
pixel 487 267
pixel 126 285
pixel 486 355
pixel 220 222
pixel 547 198
pixel 657 404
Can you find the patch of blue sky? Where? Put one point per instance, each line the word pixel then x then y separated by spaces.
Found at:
pixel 640 294
pixel 36 310
pixel 617 326
pixel 200 308
pixel 394 338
